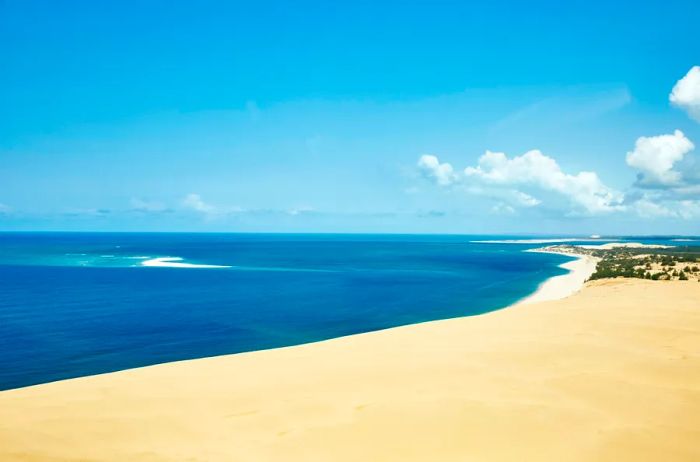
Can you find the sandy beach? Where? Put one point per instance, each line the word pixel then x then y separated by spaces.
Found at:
pixel 611 373
pixel 558 287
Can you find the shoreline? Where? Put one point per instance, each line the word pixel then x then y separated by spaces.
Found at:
pixel 616 364
pixel 551 289
pixel 563 285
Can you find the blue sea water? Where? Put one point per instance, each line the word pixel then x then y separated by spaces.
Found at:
pixel 76 304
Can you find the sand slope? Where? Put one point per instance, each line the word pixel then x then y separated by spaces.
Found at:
pixel 609 374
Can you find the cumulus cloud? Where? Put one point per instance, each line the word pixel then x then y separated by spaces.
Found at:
pixel 655 157
pixel 647 208
pixel 196 203
pixel 686 93
pixel 689 209
pixel 533 169
pixel 525 199
pixel 498 176
pixel 442 173
pixel 668 180
pixel 502 194
pixel 656 205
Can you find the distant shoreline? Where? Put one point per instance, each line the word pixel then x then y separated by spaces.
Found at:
pixel 564 285
pixel 580 270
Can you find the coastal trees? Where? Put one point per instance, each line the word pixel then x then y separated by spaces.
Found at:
pixel 644 263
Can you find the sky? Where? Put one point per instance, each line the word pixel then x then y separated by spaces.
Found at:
pixel 539 117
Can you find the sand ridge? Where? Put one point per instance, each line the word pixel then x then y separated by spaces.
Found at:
pixel 611 373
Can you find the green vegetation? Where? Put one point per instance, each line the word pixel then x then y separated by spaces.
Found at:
pixel 643 263
pixel 640 263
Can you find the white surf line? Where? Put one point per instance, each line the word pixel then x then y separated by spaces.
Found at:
pixel 562 286
pixel 174 262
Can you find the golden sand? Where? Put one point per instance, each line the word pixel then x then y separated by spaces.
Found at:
pixel 611 373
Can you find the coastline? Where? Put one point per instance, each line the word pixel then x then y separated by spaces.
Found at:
pixel 616 364
pixel 564 285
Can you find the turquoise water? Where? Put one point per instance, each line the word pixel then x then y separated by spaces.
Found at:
pixel 75 304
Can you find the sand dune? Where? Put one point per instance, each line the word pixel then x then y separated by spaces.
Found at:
pixel 611 373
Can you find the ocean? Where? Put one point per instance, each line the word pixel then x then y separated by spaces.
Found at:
pixel 77 304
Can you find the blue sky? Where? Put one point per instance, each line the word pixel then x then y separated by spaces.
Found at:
pixel 355 117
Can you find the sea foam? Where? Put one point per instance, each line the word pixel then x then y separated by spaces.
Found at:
pixel 176 262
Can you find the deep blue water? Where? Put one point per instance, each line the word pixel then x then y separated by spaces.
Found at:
pixel 75 304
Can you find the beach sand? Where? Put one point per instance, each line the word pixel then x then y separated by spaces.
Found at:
pixel 611 373
pixel 558 287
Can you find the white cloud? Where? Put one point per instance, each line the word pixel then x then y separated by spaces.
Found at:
pixel 535 170
pixel 655 156
pixel 431 167
pixel 525 199
pixel 506 195
pixel 511 181
pixel 653 205
pixel 647 208
pixel 503 178
pixel 688 191
pixel 195 202
pixel 689 209
pixel 686 93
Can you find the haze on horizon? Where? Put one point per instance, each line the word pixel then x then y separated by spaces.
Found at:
pixel 418 117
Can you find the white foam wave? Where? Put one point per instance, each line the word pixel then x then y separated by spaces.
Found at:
pixel 176 262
